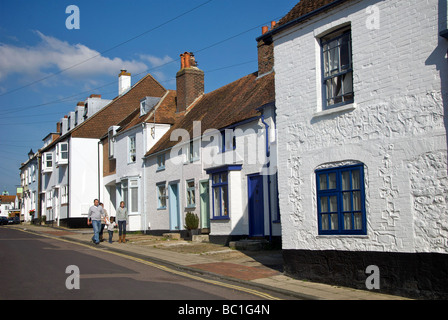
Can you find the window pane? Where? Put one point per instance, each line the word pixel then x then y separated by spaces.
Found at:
pixel 347 221
pixel 323 182
pixel 134 199
pixel 216 200
pixel 334 60
pixel 348 83
pixel 356 181
pixel 224 201
pixel 333 204
pixel 345 51
pixel 326 64
pixel 324 204
pixel 224 177
pixel 357 221
pixel 346 201
pixel 346 180
pixel 332 181
pixel 325 223
pixel 356 201
pixel 334 222
pixel 216 178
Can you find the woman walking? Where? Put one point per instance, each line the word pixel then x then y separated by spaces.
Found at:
pixel 122 216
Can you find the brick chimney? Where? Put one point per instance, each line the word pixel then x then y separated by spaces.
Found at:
pixel 189 82
pixel 266 52
pixel 124 82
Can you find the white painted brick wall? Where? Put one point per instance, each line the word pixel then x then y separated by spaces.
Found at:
pixel 397 128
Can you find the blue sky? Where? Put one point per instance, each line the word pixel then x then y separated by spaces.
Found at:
pixel 39 83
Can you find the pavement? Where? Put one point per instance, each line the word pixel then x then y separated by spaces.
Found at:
pixel 260 268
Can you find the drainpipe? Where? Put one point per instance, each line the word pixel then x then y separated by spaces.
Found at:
pixel 268 154
pixel 99 174
pixel 143 182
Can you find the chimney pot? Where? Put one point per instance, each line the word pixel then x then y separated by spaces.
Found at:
pixel 182 61
pixel 264 29
pixel 124 82
pixel 187 57
pixel 273 24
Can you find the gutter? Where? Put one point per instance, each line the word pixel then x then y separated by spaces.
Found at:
pixel 268 154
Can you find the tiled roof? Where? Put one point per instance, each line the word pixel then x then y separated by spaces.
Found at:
pixel 165 113
pixel 7 199
pixel 305 7
pixel 223 107
pixel 120 108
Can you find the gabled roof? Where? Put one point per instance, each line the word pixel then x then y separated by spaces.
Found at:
pixel 7 199
pixel 164 113
pixel 302 11
pixel 120 108
pixel 228 105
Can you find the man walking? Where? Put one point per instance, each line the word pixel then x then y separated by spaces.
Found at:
pixel 94 218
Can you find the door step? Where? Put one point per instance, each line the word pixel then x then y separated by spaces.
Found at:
pixel 249 245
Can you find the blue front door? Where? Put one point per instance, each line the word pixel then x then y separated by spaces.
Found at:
pixel 174 207
pixel 256 206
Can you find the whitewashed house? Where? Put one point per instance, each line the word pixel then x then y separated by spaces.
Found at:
pixel 361 97
pixel 29 180
pixel 207 162
pixel 69 167
pixel 125 131
pixel 129 141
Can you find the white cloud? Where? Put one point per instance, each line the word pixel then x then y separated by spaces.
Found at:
pixel 156 61
pixel 52 53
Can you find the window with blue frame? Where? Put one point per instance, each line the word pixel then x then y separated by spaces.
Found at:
pixel 337 68
pixel 220 195
pixel 341 201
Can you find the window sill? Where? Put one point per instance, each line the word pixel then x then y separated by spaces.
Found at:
pixel 340 109
pixel 340 236
pixel 220 219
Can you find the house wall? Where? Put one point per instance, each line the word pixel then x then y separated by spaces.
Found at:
pixel 250 152
pixel 396 128
pixel 126 170
pixel 84 166
pixel 30 188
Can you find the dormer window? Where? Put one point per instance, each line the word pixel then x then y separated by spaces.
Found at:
pixel 143 109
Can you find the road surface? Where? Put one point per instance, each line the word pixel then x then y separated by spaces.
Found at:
pixel 38 267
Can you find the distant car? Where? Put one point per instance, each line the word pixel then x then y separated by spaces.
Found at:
pixel 13 220
pixel 3 220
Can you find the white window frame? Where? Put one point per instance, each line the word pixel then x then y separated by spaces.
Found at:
pixel 133 186
pixel 59 158
pixel 132 149
pixel 47 159
pixel 49 199
pixel 64 194
pixel 190 194
pixel 161 162
pixel 161 196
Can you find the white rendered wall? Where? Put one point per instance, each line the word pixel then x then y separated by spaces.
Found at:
pixel 396 127
pixel 83 160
